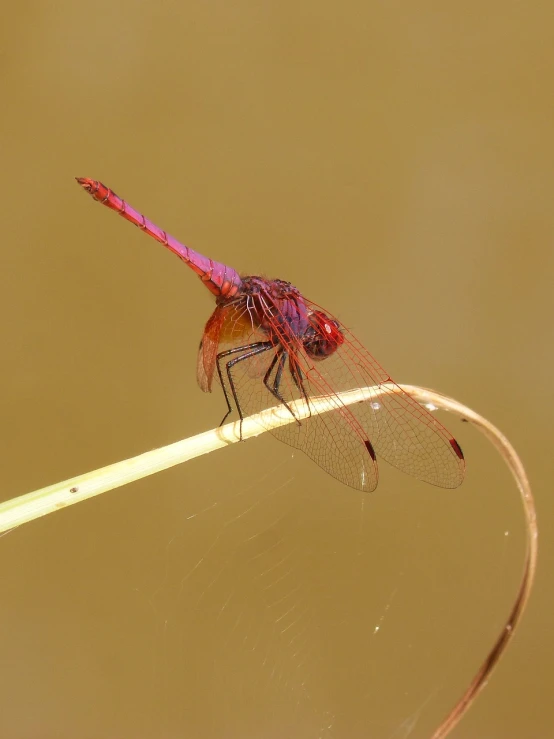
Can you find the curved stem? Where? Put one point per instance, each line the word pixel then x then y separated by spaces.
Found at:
pixel 432 399
pixel 26 508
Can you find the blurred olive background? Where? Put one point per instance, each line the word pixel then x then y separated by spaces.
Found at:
pixel 395 161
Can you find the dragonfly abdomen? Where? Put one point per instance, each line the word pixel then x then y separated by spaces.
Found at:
pixel 220 279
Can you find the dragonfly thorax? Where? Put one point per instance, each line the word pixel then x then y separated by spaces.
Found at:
pixel 274 306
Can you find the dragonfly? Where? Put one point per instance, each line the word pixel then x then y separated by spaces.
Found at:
pixel 267 345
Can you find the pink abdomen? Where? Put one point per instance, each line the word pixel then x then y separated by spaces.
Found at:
pixel 220 279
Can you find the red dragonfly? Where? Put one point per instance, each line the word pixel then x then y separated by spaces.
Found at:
pixel 265 342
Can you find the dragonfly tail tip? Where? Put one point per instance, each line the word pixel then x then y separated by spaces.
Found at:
pixel 84 182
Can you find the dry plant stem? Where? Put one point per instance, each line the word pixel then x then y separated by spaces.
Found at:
pixel 510 457
pixel 33 505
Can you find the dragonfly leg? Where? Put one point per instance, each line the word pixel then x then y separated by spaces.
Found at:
pixel 229 353
pixel 246 352
pixel 298 377
pixel 279 359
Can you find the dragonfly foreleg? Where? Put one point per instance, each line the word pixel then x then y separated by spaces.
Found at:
pixel 279 359
pixel 298 377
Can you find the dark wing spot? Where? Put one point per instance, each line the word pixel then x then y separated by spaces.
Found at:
pixel 457 448
pixel 371 450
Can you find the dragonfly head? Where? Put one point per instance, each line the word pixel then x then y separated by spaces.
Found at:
pixel 323 335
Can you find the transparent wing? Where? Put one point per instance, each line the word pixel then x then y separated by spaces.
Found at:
pixel 402 432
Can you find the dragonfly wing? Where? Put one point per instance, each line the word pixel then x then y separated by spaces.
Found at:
pixel 207 351
pixel 229 326
pixel 334 440
pixel 402 431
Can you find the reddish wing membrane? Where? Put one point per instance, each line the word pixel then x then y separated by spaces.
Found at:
pixel 207 352
pixel 228 327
